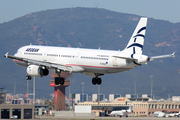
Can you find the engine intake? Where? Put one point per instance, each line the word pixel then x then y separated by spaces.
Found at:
pixel 37 71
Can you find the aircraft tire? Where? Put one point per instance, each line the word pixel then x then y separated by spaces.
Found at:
pixel 94 81
pixel 28 77
pixel 57 80
pixel 99 81
pixel 62 81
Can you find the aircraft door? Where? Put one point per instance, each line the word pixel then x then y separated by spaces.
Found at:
pixel 45 55
pixel 115 61
pixel 77 58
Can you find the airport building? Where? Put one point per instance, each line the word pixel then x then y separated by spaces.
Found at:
pixel 143 106
pixel 95 97
pixel 113 96
pixel 21 111
pixel 83 98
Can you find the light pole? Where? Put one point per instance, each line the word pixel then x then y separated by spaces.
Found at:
pixel 151 76
pixel 98 94
pixel 34 91
pixel 135 87
pixel 82 92
pixel 69 97
pixel 27 90
pixel 14 88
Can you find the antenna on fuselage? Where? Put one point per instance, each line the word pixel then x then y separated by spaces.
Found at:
pixel 30 43
pixel 99 48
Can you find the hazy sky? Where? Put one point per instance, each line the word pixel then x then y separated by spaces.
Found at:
pixel 157 9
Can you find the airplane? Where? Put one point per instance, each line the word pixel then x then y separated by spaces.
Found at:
pixel 159 114
pixel 120 113
pixel 92 62
pixel 173 114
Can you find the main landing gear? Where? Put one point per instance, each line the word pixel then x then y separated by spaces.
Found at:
pixel 96 80
pixel 59 80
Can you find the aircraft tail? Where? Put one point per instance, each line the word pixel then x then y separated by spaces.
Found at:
pixel 136 42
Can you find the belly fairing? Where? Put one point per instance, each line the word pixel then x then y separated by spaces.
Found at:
pixel 21 63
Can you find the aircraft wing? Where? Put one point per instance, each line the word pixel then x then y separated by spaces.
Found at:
pixel 162 56
pixel 42 63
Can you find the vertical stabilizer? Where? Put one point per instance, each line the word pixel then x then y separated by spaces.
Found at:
pixel 136 42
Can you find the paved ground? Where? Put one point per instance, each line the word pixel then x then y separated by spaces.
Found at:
pixel 105 118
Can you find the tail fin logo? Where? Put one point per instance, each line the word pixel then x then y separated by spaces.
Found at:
pixel 135 37
pixel 136 42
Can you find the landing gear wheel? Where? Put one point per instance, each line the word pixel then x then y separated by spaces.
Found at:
pixel 57 80
pixel 94 81
pixel 62 81
pixel 28 77
pixel 99 81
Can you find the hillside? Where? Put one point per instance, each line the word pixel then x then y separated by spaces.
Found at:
pixel 93 28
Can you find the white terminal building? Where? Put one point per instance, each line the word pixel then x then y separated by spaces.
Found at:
pixel 143 106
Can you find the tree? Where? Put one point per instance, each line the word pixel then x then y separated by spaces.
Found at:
pixel 50 103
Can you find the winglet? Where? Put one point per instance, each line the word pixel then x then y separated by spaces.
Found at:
pixel 6 55
pixel 173 54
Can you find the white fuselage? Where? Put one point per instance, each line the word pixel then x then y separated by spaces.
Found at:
pixel 90 60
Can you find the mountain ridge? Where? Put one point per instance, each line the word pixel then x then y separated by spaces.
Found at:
pixel 92 28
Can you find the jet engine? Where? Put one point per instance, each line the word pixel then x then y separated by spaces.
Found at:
pixel 142 59
pixel 37 71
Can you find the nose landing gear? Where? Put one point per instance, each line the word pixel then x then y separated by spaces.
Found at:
pixel 28 77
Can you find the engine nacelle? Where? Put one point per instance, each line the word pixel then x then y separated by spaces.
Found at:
pixel 37 71
pixel 142 59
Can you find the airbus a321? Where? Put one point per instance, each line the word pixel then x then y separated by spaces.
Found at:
pixel 92 62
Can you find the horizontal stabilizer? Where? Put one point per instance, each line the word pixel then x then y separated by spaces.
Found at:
pixel 124 57
pixel 162 56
